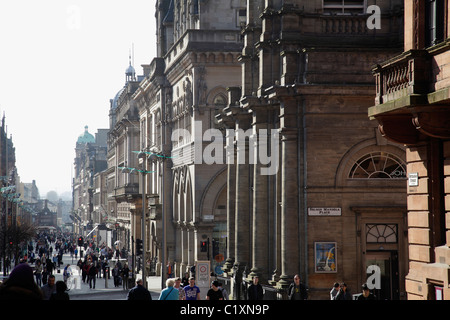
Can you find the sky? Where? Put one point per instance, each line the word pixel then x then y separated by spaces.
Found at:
pixel 61 61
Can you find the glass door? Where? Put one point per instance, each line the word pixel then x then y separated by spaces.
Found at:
pixel 382 274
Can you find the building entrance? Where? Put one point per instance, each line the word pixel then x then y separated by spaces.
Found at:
pixel 383 274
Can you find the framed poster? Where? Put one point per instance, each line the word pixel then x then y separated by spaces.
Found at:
pixel 325 257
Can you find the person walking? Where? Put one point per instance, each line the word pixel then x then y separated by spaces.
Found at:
pixel 181 292
pixel 214 293
pixel 334 291
pixel 169 293
pixel 139 292
pixel 255 290
pixel 49 288
pixel 60 293
pixel 38 272
pixel 296 290
pixel 116 275
pixel 67 273
pixel 192 291
pixel 344 293
pixel 125 277
pixel 92 274
pixel 224 291
pixel 366 294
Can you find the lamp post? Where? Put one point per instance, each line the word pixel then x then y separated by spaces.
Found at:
pixel 159 157
pixel 142 156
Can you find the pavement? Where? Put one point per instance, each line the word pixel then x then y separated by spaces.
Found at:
pixel 102 285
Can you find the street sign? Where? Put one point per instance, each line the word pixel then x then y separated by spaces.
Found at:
pixel 413 179
pixel 324 211
pixel 202 278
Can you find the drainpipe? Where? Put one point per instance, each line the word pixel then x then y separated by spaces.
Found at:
pixel 302 142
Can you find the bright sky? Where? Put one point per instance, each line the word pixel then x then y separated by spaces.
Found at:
pixel 61 61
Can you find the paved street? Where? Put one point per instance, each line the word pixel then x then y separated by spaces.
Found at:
pixel 104 290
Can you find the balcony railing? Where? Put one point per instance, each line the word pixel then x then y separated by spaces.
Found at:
pixel 405 75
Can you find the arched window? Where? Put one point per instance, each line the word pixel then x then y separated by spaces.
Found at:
pixel 378 165
pixel 381 233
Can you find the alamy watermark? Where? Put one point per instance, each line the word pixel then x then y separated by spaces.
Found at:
pixel 220 150
pixel 374 278
pixel 374 21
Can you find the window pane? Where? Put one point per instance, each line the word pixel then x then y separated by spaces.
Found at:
pixel 378 165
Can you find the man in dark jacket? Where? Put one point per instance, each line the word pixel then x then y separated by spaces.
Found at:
pixel 366 294
pixel 139 292
pixel 255 290
pixel 297 291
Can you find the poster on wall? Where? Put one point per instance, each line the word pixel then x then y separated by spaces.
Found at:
pixel 325 257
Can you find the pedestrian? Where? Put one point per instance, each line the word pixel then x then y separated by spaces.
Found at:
pixel 125 276
pixel 181 293
pixel 185 280
pixel 7 265
pixel 255 290
pixel 192 291
pixel 60 293
pixel 38 272
pixel 49 288
pixel 67 272
pixel 169 293
pixel 20 285
pixel 50 266
pixel 116 275
pixel 366 294
pixel 334 291
pixel 92 273
pixel 224 291
pixel 344 293
pixel 214 293
pixel 169 270
pixel 84 272
pixel 44 275
pixel 296 290
pixel 139 292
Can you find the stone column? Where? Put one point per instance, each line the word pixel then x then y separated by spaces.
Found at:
pixel 290 233
pixel 231 210
pixel 243 229
pixel 260 219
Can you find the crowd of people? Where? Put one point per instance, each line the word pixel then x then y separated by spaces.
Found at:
pixel 340 291
pixel 38 282
pixel 33 276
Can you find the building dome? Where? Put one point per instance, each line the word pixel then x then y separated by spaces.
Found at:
pixel 86 137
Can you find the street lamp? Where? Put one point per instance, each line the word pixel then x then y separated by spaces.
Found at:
pixel 159 157
pixel 142 156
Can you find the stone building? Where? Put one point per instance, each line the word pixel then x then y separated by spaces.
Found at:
pixel 412 110
pixel 198 43
pixel 46 217
pixel 90 158
pixel 123 194
pixel 313 187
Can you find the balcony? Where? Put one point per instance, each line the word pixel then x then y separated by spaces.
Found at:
pixel 126 190
pixel 412 99
pixel 403 77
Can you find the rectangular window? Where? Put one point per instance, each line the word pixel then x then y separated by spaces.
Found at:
pixel 344 6
pixel 434 22
pixel 241 17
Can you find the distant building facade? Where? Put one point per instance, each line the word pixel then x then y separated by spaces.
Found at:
pixel 90 158
pixel 198 44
